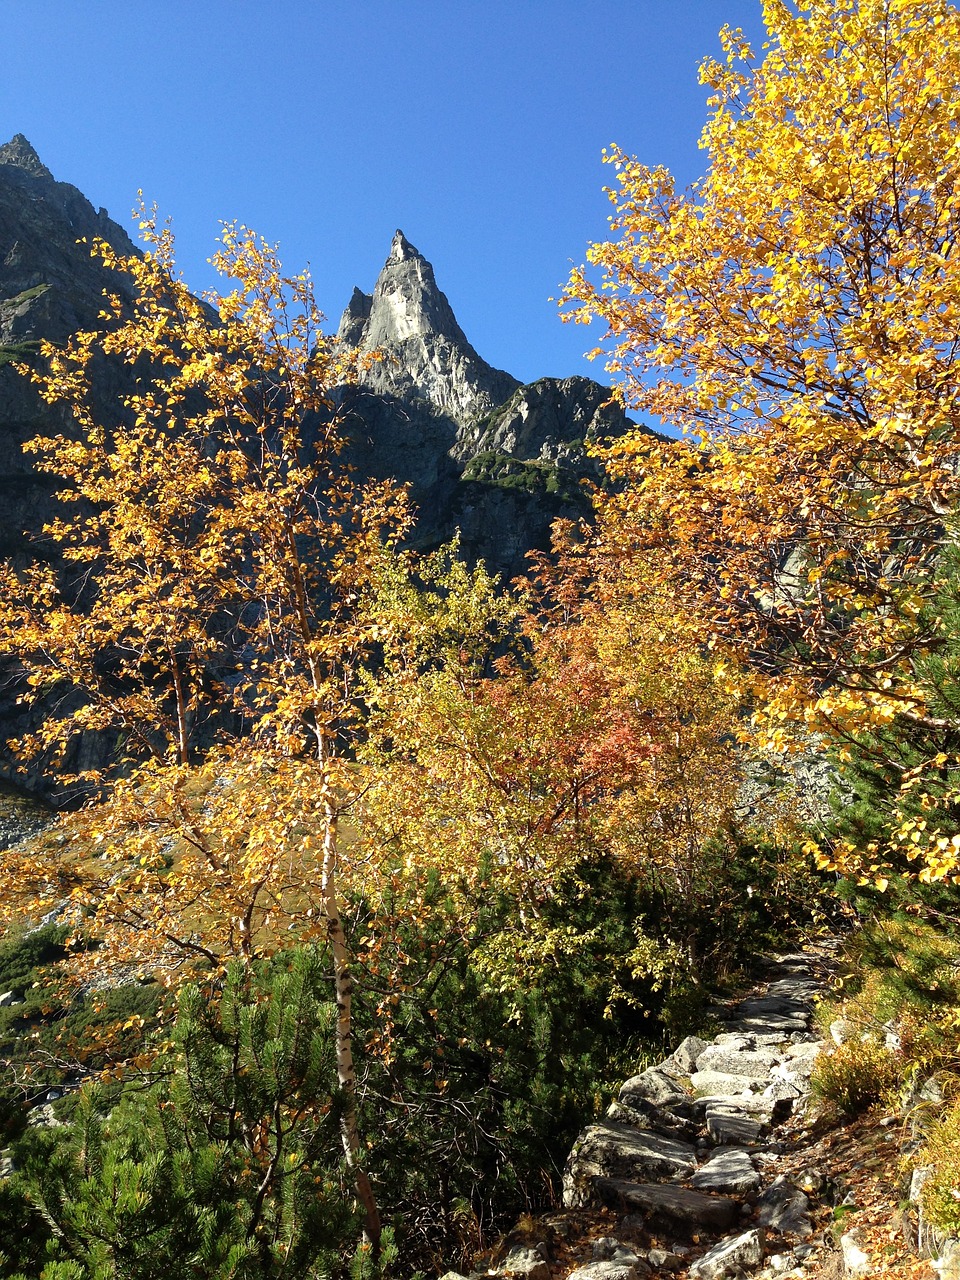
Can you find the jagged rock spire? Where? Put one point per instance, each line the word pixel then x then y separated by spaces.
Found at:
pixel 21 154
pixel 401 250
pixel 408 318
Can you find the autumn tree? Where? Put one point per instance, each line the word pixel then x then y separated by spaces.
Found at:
pixel 795 314
pixel 212 630
pixel 524 739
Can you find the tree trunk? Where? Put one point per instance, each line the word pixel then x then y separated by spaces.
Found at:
pixel 346 1075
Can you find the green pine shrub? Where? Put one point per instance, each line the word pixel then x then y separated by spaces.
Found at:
pixel 229 1165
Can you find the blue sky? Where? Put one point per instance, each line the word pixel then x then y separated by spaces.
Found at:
pixel 476 127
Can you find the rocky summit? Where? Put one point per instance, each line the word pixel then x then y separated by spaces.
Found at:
pixel 50 286
pixel 482 454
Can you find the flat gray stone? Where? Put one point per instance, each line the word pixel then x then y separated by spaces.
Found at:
pixel 777 1006
pixel 751 1104
pixel 736 1039
pixel 730 1059
pixel 730 1171
pixel 609 1270
pixel 670 1205
pixel 774 1024
pixel 730 1257
pixel 801 1057
pixel 725 1083
pixel 799 989
pixel 729 1127
pixel 621 1151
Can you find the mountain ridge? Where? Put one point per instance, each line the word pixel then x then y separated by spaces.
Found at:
pixel 482 453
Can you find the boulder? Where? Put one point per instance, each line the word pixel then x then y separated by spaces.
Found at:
pixel 527 1263
pixel 652 1085
pixel 668 1205
pixel 680 1121
pixel 622 1151
pixel 665 1260
pixel 731 1171
pixel 687 1053
pixel 730 1257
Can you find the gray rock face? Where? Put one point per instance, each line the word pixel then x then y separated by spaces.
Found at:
pixel 482 454
pixel 728 1171
pixel 426 353
pixel 49 284
pixel 20 817
pixel 49 287
pixel 549 419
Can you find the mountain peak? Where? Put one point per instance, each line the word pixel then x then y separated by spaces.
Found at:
pixel 20 153
pixel 401 250
pixel 405 305
pixel 410 320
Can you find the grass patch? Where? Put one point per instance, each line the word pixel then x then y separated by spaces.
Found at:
pixel 541 479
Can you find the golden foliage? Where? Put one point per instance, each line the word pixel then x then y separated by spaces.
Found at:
pixel 213 628
pixel 577 721
pixel 796 313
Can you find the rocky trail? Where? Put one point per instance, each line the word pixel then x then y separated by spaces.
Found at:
pixel 694 1168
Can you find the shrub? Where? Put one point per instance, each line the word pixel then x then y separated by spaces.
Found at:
pixel 854 1077
pixel 940 1194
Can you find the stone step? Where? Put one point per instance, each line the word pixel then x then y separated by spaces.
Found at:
pixel 619 1150
pixel 668 1205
